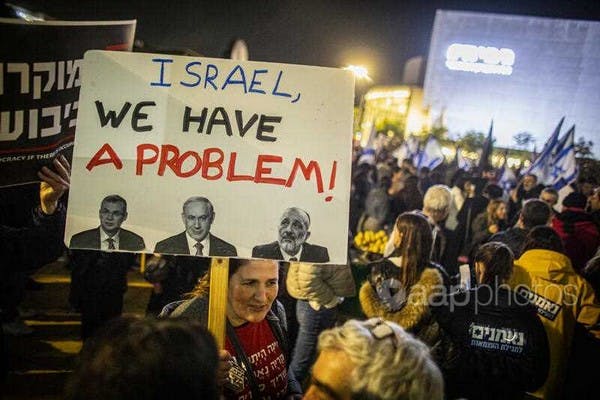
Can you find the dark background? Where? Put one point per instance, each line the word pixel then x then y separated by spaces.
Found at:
pixel 381 35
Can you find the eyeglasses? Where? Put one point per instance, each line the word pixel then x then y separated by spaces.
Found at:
pixel 381 330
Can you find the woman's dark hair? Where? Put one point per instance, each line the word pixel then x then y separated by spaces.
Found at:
pixel 415 246
pixel 498 260
pixel 493 191
pixel 543 238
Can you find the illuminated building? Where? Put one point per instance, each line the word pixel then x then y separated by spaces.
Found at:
pixel 523 72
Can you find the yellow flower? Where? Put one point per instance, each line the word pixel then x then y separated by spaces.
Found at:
pixel 373 242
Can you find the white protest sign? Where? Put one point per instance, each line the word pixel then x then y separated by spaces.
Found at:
pixel 254 139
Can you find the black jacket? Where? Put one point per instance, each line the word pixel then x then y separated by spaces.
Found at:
pixel 493 344
pixel 513 237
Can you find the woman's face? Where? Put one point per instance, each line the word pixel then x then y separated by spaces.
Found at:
pixel 252 290
pixel 501 211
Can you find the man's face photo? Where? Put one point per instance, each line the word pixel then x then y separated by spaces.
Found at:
pixel 198 217
pixel 293 231
pixel 112 215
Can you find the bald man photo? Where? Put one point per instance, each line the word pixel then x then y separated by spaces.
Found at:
pixel 292 244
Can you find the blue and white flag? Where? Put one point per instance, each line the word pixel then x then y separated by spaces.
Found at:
pixel 409 149
pixel 462 162
pixel 431 156
pixel 507 179
pixel 541 167
pixel 564 164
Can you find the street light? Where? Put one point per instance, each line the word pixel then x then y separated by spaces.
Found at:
pixel 360 72
pixel 361 75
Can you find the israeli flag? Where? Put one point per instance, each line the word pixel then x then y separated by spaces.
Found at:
pixel 462 162
pixel 541 167
pixel 408 149
pixel 507 178
pixel 431 156
pixel 564 164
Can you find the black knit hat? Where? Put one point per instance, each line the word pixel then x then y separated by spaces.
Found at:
pixel 575 200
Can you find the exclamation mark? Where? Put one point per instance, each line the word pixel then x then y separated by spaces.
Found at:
pixel 332 180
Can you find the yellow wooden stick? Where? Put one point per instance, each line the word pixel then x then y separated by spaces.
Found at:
pixel 142 262
pixel 217 300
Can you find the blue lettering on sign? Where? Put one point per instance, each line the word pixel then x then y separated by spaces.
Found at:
pixel 263 81
pixel 255 82
pixel 231 81
pixel 211 77
pixel 162 62
pixel 192 73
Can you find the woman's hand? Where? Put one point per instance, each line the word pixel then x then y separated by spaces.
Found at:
pixel 225 360
pixel 493 229
pixel 54 184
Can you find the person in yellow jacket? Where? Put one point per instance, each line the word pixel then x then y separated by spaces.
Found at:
pixel 544 275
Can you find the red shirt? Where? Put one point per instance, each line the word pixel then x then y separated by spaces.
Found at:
pixel 268 362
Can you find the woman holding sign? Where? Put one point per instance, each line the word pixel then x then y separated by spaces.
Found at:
pixel 256 355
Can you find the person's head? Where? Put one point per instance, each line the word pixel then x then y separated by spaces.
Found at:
pixel 529 182
pixel 412 240
pixel 543 238
pixel 585 185
pixel 549 195
pixel 113 212
pixel 133 358
pixel 575 200
pixel 253 286
pixel 493 263
pixel 594 200
pixel 411 183
pixel 294 227
pixel 458 179
pixel 424 172
pixel 198 215
pixel 436 202
pixel 489 173
pixel 373 359
pixel 492 191
pixel 534 212
pixel 496 211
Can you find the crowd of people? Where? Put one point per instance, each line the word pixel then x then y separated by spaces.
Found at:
pixel 523 322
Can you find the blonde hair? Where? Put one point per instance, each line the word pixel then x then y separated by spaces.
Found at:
pixel 491 210
pixel 398 366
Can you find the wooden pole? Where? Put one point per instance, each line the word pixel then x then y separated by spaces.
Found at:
pixel 142 262
pixel 217 300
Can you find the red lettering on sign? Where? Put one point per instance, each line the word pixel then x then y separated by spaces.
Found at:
pixel 112 158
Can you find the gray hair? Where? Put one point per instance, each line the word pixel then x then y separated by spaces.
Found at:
pixel 114 198
pixel 437 198
pixel 397 366
pixel 198 199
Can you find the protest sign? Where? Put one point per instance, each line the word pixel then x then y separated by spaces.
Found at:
pixel 40 66
pixel 252 139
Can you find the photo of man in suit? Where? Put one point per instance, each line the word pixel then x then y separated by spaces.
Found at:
pixel 109 235
pixel 198 215
pixel 292 243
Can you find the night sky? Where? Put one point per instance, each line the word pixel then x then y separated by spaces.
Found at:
pixel 381 35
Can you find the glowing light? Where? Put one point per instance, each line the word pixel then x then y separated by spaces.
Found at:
pixel 385 94
pixel 480 59
pixel 359 72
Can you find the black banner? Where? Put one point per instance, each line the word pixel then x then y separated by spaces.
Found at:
pixel 40 72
